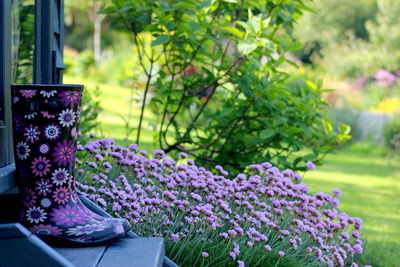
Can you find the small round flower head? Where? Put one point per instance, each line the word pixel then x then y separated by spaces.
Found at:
pixel 92 135
pixel 204 254
pixel 345 235
pixel 183 155
pixel 175 238
pixel 310 166
pixel 281 254
pixel 358 249
pixel 355 234
pixel 240 263
pixel 337 193
pixel 249 244
pixel 159 153
pixel 335 203
pixel 267 248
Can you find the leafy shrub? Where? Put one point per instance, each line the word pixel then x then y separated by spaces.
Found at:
pixel 263 217
pixel 352 57
pixel 215 78
pixel 392 133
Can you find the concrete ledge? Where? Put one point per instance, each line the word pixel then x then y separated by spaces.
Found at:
pixel 7 178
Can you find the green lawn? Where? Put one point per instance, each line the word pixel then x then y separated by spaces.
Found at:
pixel 115 104
pixel 371 190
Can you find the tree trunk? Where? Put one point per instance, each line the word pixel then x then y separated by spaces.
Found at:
pixel 98 18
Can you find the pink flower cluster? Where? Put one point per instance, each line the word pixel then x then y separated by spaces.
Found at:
pixel 262 212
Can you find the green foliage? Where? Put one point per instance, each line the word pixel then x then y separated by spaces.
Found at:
pixel 392 134
pixel 333 20
pixel 80 65
pixel 215 77
pixel 22 41
pixel 353 39
pixel 90 111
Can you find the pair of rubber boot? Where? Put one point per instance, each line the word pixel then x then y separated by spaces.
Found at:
pixel 45 126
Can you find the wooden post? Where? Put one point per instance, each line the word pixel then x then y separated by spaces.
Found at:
pixel 48 63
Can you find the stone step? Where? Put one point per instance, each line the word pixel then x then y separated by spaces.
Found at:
pixel 19 247
pixel 126 252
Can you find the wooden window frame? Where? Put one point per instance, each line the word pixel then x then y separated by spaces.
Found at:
pixel 7 168
pixel 47 69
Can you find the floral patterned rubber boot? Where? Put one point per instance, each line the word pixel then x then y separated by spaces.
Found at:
pixel 45 123
pixel 125 224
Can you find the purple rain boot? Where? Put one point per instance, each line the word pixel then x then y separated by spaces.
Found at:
pixel 45 132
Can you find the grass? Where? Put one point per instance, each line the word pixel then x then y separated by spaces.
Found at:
pixel 371 191
pixel 115 104
pixel 370 187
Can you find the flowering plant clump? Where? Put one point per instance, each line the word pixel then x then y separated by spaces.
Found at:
pixel 263 217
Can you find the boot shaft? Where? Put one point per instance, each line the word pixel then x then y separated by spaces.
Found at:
pixel 45 126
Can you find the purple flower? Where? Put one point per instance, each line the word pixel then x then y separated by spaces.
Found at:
pixel 68 215
pixel 385 78
pixel 64 153
pixel 32 133
pixel 60 176
pixel 67 117
pixel 19 124
pixel 40 166
pixel 61 195
pixel 240 263
pixel 360 83
pixel 335 203
pixel 36 215
pixel 52 131
pixel 345 235
pixel 196 196
pixel 310 166
pixel 355 234
pixel 175 238
pixel 337 193
pixel 159 153
pixel 358 249
pixel 145 189
pixel 44 148
pixel 22 150
pixel 43 187
pixel 70 98
pixel 28 197
pixel 28 93
pixel 204 254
